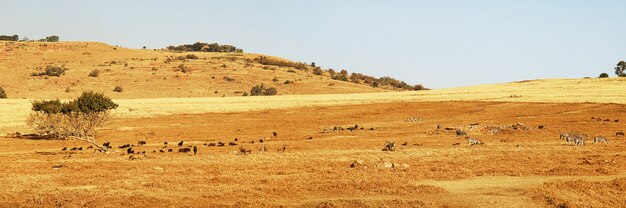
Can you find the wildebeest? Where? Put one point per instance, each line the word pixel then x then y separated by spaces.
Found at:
pixel 275 134
pixel 124 146
pixel 600 139
pixel 165 143
pixel 141 143
pixel 236 139
pixel 180 144
pixel 170 150
pixel 211 144
pixel 283 148
pixel 90 147
pixel 263 148
pixel 161 151
pixel 405 143
pixel 309 138
pixel 107 144
pixel 232 143
pixel 244 151
pixel 353 128
pixel 184 150
pixel 130 150
pixel 80 149
pixel 260 140
pixel 195 150
pixel 64 148
pixel 619 133
pixel 472 141
pixel 74 148
pixel 540 127
pixel 460 132
pixel 389 146
pixel 220 144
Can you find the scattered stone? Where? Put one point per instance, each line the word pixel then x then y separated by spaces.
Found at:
pixel 357 164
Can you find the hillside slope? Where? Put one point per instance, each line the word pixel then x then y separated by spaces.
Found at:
pixel 150 73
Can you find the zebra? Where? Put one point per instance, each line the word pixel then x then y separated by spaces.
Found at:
pixel 600 139
pixel 579 139
pixel 472 141
pixel 564 135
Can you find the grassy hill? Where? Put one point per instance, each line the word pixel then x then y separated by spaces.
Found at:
pixel 153 73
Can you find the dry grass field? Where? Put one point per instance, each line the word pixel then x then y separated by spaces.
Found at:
pixel 514 168
pixel 522 163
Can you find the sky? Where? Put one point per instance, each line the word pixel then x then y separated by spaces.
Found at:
pixel 437 43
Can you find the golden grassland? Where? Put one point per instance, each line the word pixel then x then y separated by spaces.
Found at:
pixel 514 168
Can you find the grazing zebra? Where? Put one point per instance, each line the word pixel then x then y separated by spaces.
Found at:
pixel 600 139
pixel 564 135
pixel 472 141
pixel 579 139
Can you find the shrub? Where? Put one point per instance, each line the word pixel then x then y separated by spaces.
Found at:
pixel 206 47
pixel 275 79
pixel 76 119
pixel 3 95
pixel 51 71
pixel 274 62
pixel 245 93
pixel 262 90
pixel 9 38
pixel 288 82
pixel 53 38
pixel 317 71
pixel 118 89
pixel 291 71
pixel 228 79
pixel 340 77
pixel 94 73
pixel 191 56
pixel 603 75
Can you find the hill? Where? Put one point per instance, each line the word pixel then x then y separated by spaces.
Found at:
pixel 155 73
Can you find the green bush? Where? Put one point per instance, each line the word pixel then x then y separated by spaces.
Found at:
pixel 118 89
pixel 3 95
pixel 53 38
pixel 206 47
pixel 603 75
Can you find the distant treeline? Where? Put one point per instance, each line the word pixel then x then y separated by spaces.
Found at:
pixel 342 75
pixel 206 47
pixel 52 38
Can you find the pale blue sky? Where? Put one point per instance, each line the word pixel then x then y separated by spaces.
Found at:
pixel 437 43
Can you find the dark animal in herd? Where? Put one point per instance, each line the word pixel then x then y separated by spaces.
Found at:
pixel 141 143
pixel 180 144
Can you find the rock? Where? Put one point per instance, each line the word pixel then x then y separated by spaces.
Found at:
pixel 157 168
pixel 357 164
pixel 59 166
pixel 401 166
pixel 385 165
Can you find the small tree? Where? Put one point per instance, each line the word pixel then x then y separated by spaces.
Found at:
pixel 3 95
pixel 53 38
pixel 619 69
pixel 603 75
pixel 77 119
